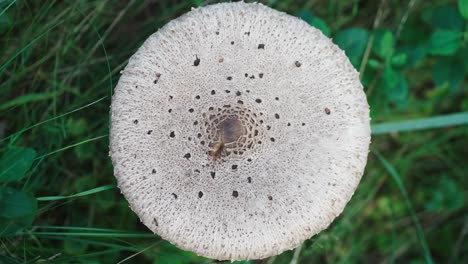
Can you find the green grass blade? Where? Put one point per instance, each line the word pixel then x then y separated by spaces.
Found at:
pixel 101 43
pixel 90 255
pixel 28 98
pixel 88 192
pixel 8 7
pixel 30 44
pixel 129 247
pixel 79 228
pixel 93 234
pixel 419 231
pixel 71 146
pixel 423 123
pixel 53 118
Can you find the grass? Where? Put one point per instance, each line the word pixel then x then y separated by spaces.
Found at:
pixel 59 61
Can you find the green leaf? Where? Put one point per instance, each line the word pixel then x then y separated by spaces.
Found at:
pixel 448 71
pixel 77 127
pixel 370 73
pixel 383 43
pixel 15 163
pixel 305 15
pixel 394 85
pixel 85 151
pixel 444 42
pixel 413 34
pixel 399 93
pixel 353 41
pixel 321 25
pixel 314 21
pixel 197 3
pixel 17 210
pixel 389 78
pixel 414 55
pixel 463 8
pixel 443 17
pixel 374 64
pixel 399 59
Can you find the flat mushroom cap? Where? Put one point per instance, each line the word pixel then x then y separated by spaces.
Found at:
pixel 238 131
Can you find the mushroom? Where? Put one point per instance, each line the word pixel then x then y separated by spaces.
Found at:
pixel 238 132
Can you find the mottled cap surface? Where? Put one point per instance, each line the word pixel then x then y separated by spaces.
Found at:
pixel 238 131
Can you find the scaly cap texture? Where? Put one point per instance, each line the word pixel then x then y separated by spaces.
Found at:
pixel 238 131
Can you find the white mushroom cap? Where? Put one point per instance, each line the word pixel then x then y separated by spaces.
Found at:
pixel 238 131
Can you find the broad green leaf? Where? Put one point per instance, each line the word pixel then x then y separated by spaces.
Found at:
pixel 17 210
pixel 85 151
pixel 412 33
pixel 305 15
pixel 414 55
pixel 463 8
pixel 399 93
pixel 443 17
pixel 383 42
pixel 370 73
pixel 321 25
pixel 444 42
pixel 197 3
pixel 448 71
pixel 353 41
pixel 77 127
pixel 390 78
pixel 374 64
pixel 15 163
pixel 394 85
pixel 399 59
pixel 314 21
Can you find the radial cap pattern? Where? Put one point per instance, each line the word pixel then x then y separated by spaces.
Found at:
pixel 238 131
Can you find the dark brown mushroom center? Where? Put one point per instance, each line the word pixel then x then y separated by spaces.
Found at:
pixel 230 130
